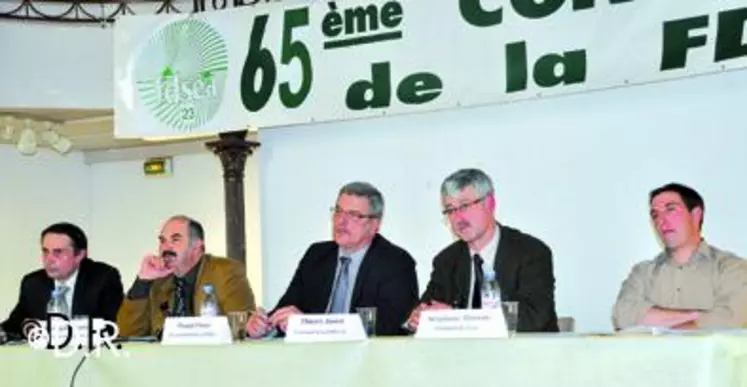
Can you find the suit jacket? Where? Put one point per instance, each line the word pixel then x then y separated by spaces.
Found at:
pixel 145 317
pixel 386 280
pixel 523 267
pixel 98 294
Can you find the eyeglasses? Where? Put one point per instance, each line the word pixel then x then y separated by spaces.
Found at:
pixel 452 210
pixel 355 215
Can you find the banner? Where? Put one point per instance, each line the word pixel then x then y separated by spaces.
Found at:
pixel 292 62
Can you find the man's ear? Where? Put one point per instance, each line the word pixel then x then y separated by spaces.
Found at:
pixel 82 253
pixel 697 216
pixel 490 202
pixel 199 245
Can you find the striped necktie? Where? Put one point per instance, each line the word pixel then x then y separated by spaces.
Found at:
pixel 62 297
pixel 180 298
pixel 340 292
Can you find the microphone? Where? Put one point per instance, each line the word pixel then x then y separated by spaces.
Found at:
pixel 165 309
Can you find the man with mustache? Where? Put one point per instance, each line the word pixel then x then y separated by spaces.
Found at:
pixel 521 263
pixel 690 284
pixel 171 283
pixel 359 268
pixel 89 288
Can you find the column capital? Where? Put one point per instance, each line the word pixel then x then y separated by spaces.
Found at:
pixel 233 149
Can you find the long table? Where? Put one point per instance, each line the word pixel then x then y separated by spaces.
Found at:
pixel 525 360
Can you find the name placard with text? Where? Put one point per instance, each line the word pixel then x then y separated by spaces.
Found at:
pixel 312 328
pixel 462 324
pixel 196 330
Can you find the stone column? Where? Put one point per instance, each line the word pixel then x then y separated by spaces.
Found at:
pixel 233 148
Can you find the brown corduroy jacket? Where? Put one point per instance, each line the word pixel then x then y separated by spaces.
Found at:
pixel 145 317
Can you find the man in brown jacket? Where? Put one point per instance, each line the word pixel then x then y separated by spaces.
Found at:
pixel 172 282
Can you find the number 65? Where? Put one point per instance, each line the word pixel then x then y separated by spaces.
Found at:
pixel 260 59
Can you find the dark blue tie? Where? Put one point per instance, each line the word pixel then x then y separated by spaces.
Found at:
pixel 340 292
pixel 180 298
pixel 479 276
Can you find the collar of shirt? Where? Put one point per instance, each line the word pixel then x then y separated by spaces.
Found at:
pixel 488 251
pixel 488 258
pixel 191 278
pixel 356 258
pixel 70 283
pixel 704 252
pixel 190 283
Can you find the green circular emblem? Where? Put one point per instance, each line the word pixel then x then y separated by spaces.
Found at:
pixel 181 74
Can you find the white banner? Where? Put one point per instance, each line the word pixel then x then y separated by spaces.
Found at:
pixel 292 63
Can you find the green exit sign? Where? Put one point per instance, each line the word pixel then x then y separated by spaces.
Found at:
pixel 157 166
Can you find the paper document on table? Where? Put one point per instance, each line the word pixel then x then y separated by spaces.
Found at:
pixel 643 329
pixel 663 330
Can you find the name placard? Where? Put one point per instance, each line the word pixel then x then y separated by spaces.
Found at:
pixel 196 330
pixel 315 328
pixel 462 323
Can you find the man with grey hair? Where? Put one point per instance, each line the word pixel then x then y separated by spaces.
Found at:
pixel 359 268
pixel 173 283
pixel 521 263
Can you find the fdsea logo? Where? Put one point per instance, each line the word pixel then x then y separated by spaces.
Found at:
pixel 181 74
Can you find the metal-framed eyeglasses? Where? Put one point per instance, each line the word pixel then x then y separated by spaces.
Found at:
pixel 352 215
pixel 453 210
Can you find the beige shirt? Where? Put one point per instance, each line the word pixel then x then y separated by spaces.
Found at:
pixel 712 281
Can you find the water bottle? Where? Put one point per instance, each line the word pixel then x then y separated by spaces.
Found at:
pixel 57 303
pixel 491 292
pixel 209 307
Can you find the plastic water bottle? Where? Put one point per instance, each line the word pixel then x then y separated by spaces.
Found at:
pixel 209 307
pixel 57 303
pixel 491 292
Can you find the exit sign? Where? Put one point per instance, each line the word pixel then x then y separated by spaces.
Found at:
pixel 157 166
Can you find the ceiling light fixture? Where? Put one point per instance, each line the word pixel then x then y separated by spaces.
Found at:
pixel 8 129
pixel 28 142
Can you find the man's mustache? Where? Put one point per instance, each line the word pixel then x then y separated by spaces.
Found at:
pixel 168 253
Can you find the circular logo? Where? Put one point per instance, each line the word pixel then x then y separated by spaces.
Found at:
pixel 36 335
pixel 181 74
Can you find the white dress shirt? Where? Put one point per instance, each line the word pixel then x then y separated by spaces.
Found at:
pixel 70 283
pixel 488 258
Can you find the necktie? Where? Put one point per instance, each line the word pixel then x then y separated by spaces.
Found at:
pixel 340 292
pixel 180 298
pixel 62 299
pixel 477 291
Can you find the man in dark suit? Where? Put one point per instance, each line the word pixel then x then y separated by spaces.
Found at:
pixel 360 268
pixel 521 263
pixel 88 287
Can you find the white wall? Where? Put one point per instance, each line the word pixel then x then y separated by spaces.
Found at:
pixel 34 193
pixel 128 210
pixel 56 66
pixel 574 171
